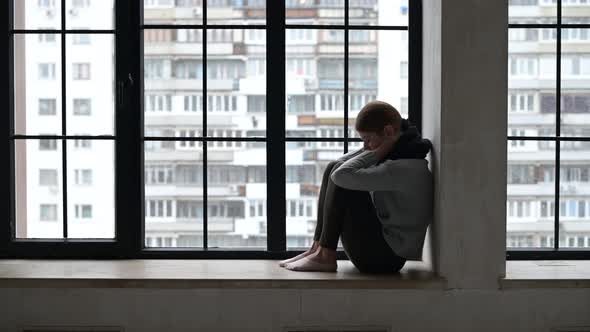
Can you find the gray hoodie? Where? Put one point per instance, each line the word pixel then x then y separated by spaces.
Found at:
pixel 402 193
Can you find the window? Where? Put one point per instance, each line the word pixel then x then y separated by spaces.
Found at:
pixel 545 120
pixel 83 177
pixel 47 144
pixel 82 144
pixel 200 141
pixel 81 39
pixel 81 71
pixel 47 106
pixel 48 212
pixel 83 211
pixel 47 37
pixel 82 106
pixel 48 177
pixel 158 103
pixel 46 71
pixel 80 3
pixel 403 70
pixel 46 4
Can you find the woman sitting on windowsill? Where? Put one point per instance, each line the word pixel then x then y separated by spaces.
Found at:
pixel 378 200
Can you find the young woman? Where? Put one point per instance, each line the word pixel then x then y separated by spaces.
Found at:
pixel 378 200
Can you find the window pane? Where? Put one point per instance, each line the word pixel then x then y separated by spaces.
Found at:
pixel 235 178
pixel 531 82
pixel 374 70
pixel 173 193
pixel 576 11
pixel 378 12
pixel 89 14
pixel 173 73
pixel 575 94
pixel 173 12
pixel 39 195
pixel 235 71
pixel 530 206
pixel 574 227
pixel 532 11
pixel 91 190
pixel 89 84
pixel 306 162
pixel 37 85
pixel 314 12
pixel 236 11
pixel 37 14
pixel 315 82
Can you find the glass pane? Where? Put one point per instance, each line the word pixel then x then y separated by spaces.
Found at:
pixel 532 11
pixel 91 189
pixel 575 11
pixel 236 179
pixel 532 71
pixel 574 218
pixel 173 194
pixel 305 165
pixel 90 14
pixel 378 70
pixel 236 82
pixel 173 72
pixel 378 12
pixel 314 12
pixel 38 183
pixel 530 206
pixel 575 93
pixel 37 84
pixel 236 12
pixel 90 84
pixel 173 12
pixel 37 14
pixel 315 83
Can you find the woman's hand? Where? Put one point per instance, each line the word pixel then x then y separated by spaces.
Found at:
pixel 386 146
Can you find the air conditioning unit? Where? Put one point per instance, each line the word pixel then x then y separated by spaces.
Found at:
pixel 197 11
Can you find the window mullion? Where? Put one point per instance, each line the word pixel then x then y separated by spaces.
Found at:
pixel 129 186
pixel 275 114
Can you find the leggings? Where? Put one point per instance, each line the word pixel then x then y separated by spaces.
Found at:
pixel 350 215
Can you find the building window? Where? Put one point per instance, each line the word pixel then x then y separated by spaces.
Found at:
pixel 83 177
pixel 83 211
pixel 403 70
pixel 184 183
pixel 82 144
pixel 82 106
pixel 81 71
pixel 47 106
pixel 48 177
pixel 48 212
pixel 47 145
pixel 81 39
pixel 46 71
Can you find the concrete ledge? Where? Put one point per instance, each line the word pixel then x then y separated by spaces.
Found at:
pixel 546 274
pixel 202 274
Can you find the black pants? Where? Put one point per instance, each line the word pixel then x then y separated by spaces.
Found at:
pixel 350 215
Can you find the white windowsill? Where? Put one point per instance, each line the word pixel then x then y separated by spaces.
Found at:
pixel 201 274
pixel 546 274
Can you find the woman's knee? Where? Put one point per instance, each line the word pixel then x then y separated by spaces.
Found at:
pixel 331 166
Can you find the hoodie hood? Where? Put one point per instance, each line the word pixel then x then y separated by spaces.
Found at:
pixel 410 144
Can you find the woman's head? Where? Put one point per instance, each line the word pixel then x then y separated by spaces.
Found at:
pixel 376 120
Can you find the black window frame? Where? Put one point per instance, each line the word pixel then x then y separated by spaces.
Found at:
pixel 129 139
pixel 555 253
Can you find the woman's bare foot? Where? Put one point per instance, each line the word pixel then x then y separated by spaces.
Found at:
pixel 309 251
pixel 322 260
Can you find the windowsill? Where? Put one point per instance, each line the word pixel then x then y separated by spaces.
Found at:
pixel 202 274
pixel 546 274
